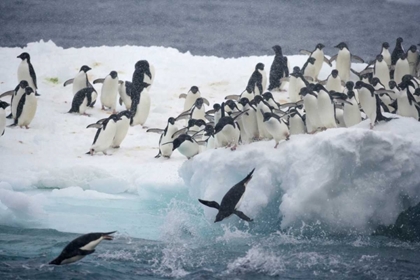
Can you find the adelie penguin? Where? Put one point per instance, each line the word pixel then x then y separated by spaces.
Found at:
pixel 227 130
pixel 396 54
pixel 109 91
pixel 318 55
pixel 231 201
pixel 26 72
pixel 276 126
pixel 123 124
pixel 16 95
pixel 190 97
pixel 343 61
pixel 278 69
pixel 258 79
pixel 105 134
pixel 3 106
pixel 413 60
pixel 140 104
pixel 81 80
pixel 26 109
pixel 186 145
pixel 81 101
pixel 385 53
pixel 81 247
pixel 166 137
pixel 124 89
pixel 143 73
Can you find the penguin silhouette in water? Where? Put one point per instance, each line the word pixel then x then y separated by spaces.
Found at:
pixel 231 200
pixel 81 247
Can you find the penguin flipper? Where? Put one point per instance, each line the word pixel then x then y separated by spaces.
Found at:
pixel 206 101
pixel 155 130
pixel 7 93
pixel 358 58
pixel 241 215
pixel 326 60
pixel 9 116
pixel 211 204
pixel 182 95
pixel 68 82
pixel 209 118
pixel 99 81
pixel 334 57
pixel 94 125
pixel 302 51
pixel 120 101
pixel 232 97
pixel 33 75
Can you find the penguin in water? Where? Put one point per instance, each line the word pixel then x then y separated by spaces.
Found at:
pixel 276 126
pixel 81 80
pixel 318 55
pixel 81 101
pixel 231 201
pixel 140 104
pixel 385 54
pixel 3 106
pixel 105 134
pixel 343 59
pixel 124 89
pixel 26 72
pixel 123 123
pixel 258 79
pixel 166 136
pixel 81 247
pixel 278 68
pixel 26 108
pixel 109 91
pixel 190 97
pixel 413 59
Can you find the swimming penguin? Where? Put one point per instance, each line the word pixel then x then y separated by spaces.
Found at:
pixel 81 247
pixel 343 59
pixel 81 80
pixel 124 89
pixel 26 72
pixel 140 104
pixel 310 102
pixel 105 134
pixel 3 106
pixel 334 82
pixel 402 68
pixel 276 126
pixel 381 70
pixel 413 59
pixel 123 123
pixel 249 120
pixel 258 79
pixel 326 109
pixel 109 91
pixel 190 97
pixel 81 100
pixel 308 69
pixel 385 53
pixel 231 201
pixel 318 55
pixel 370 103
pixel 26 108
pixel 166 136
pixel 278 68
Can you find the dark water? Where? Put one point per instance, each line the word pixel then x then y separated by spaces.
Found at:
pixel 222 28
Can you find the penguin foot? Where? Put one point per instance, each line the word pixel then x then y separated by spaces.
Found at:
pixel 116 147
pixel 145 127
pixel 371 126
pixel 275 147
pixel 233 148
pixel 27 127
pixel 84 114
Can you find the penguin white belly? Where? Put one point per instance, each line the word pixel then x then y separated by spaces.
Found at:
pixel 16 100
pixel 124 97
pixel 277 129
pixel 190 100
pixel 310 71
pixel 405 109
pixel 412 58
pixel 250 124
pixel 387 57
pixel 248 95
pixel 334 84
pixel 92 245
pixel 189 149
pixel 105 138
pixel 211 143
pixel 343 64
pixel 109 93
pixel 227 136
pixel 312 117
pixel 23 74
pixel 368 104
pixel 319 60
pixel 264 80
pixel 143 108
pixel 297 126
pixel 401 68
pixel 83 106
pixel 199 114
pixel 382 73
pixel 28 111
pixel 2 121
pixel 260 120
pixel 326 110
pixel 73 259
pixel 79 82
pixel 121 131
pixel 351 113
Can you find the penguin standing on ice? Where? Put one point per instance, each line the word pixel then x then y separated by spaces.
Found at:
pixel 308 69
pixel 190 97
pixel 142 73
pixel 310 102
pixel 124 89
pixel 81 101
pixel 26 72
pixel 104 135
pixel 26 108
pixel 231 201
pixel 81 80
pixel 81 247
pixel 123 124
pixel 326 108
pixel 276 126
pixel 385 54
pixel 343 59
pixel 381 70
pixel 249 120
pixel 334 82
pixel 318 55
pixel 140 104
pixel 402 68
pixel 258 79
pixel 16 95
pixel 166 136
pixel 109 91
pixel 3 106
pixel 396 54
pixel 413 60
pixel 278 68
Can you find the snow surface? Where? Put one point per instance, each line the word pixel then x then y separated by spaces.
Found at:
pixel 344 178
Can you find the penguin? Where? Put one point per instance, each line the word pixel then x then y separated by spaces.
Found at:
pixel 81 100
pixel 406 104
pixel 394 89
pixel 258 79
pixel 105 134
pixel 310 102
pixel 80 247
pixel 326 109
pixel 384 96
pixel 413 59
pixel 109 91
pixel 140 104
pixel 26 72
pixel 398 51
pixel 309 69
pixel 318 55
pixel 16 95
pixel 231 201
pixel 261 106
pixel 197 111
pixel 334 82
pixel 166 136
pixel 143 73
pixel 381 70
pixel 351 111
pixel 370 103
pixel 269 99
pixel 81 80
pixel 216 113
pixel 186 145
pixel 26 108
pixel 227 130
pixel 296 82
pixel 211 142
pixel 296 120
pixel 190 97
pixel 247 93
pixel 124 90
pixel 402 68
pixel 3 106
pixel 278 68
pixel 276 126
pixel 385 54
pixel 123 123
pixel 249 120
pixel 343 59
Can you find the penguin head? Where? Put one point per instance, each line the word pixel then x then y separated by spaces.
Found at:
pixel 311 60
pixel 334 73
pixel 128 114
pixel 375 81
pixel 379 57
pixel 277 50
pixel 249 89
pixel 359 85
pixel 258 99
pixel 199 102
pixel 350 94
pixel 23 84
pixel 216 107
pixel 220 216
pixel 341 46
pixel 28 90
pixel 194 89
pixel 85 68
pixel 399 40
pixel 350 85
pixel 171 120
pixel 259 66
pixel 304 91
pixel 392 84
pixel 209 130
pixel 200 123
pixel 266 116
pixel 320 46
pixel 231 104
pixel 191 123
pixel 243 101
pixel 113 74
pixel 267 95
pixel 3 104
pixel 141 65
pixel 24 56
pixel 413 48
pixel 114 117
pixel 385 45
